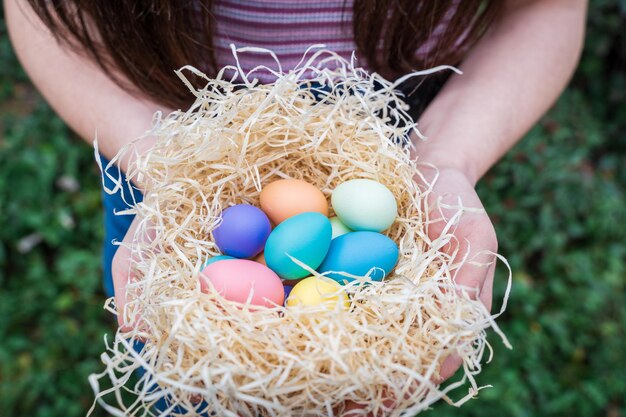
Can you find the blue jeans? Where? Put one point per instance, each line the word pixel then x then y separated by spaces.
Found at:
pixel 115 226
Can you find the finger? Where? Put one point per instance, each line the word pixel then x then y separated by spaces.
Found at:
pixel 449 367
pixel 121 271
pixel 452 363
pixel 470 279
pixel 352 409
pixel 486 292
pixel 122 266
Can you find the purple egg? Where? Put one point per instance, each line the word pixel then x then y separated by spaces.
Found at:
pixel 243 231
pixel 288 289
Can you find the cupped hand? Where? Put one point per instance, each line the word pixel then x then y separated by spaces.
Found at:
pixel 474 234
pixel 122 268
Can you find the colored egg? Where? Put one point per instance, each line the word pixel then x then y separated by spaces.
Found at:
pixel 338 227
pixel 283 199
pixel 364 204
pixel 215 259
pixel 237 279
pixel 313 291
pixel 288 289
pixel 356 253
pixel 305 237
pixel 260 258
pixel 243 231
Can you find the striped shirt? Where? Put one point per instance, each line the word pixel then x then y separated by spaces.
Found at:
pixel 288 27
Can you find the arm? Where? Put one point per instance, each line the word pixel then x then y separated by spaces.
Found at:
pixel 87 100
pixel 81 94
pixel 511 78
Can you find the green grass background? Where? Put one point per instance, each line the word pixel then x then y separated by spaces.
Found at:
pixel 557 200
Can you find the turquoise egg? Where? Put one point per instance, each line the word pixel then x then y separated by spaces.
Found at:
pixel 357 253
pixel 305 237
pixel 364 204
pixel 215 259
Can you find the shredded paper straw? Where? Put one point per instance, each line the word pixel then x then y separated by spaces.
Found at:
pixel 209 356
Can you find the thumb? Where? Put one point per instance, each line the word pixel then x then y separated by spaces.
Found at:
pixel 122 270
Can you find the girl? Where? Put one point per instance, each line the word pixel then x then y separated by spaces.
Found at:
pixel 106 67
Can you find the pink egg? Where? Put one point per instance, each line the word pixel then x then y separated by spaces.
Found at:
pixel 235 279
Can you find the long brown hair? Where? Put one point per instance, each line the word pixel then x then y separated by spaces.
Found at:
pixel 139 43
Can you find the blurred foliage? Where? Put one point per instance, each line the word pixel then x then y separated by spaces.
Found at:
pixel 558 203
pixel 557 200
pixel 51 318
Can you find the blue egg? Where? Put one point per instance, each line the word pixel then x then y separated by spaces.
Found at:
pixel 243 231
pixel 215 259
pixel 288 289
pixel 305 237
pixel 357 253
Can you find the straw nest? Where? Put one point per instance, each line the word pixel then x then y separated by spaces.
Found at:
pixel 205 354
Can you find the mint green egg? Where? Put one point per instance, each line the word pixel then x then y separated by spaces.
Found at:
pixel 305 237
pixel 364 205
pixel 339 228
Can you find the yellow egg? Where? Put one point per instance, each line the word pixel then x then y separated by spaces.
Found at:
pixel 313 291
pixel 283 199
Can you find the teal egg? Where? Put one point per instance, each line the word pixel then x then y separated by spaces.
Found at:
pixel 305 237
pixel 364 204
pixel 215 259
pixel 357 253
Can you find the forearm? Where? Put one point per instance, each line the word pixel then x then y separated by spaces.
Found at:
pixel 83 96
pixel 511 78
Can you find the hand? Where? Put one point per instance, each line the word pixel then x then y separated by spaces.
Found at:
pixel 474 231
pixel 122 269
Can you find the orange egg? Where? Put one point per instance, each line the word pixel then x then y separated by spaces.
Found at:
pixel 285 198
pixel 260 258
